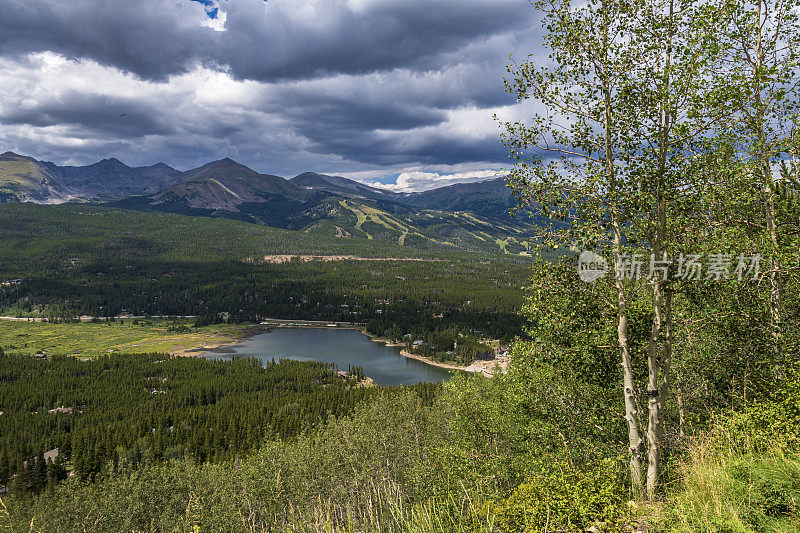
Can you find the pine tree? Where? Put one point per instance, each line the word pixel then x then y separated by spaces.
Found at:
pixel 4 467
pixel 20 483
pixel 38 478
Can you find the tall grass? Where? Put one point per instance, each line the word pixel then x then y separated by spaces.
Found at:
pixel 387 511
pixel 730 487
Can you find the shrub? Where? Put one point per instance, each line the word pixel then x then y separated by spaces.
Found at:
pixel 770 485
pixel 562 498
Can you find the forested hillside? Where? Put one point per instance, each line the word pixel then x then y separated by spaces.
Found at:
pixel 144 408
pixel 68 261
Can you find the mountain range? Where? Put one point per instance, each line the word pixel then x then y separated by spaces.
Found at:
pixel 470 215
pixel 25 179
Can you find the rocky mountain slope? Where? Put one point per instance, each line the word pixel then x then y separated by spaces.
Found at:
pixel 468 216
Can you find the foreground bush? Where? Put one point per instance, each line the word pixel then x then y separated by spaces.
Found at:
pixel 562 498
pixel 744 474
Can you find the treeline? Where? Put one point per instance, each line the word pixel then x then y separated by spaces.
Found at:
pixel 410 296
pixel 150 407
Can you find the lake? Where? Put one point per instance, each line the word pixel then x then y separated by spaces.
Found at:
pixel 342 347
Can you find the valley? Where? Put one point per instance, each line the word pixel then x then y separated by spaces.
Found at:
pixel 380 266
pixel 99 261
pixel 159 318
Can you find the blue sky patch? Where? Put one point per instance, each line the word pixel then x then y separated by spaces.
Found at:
pixel 211 7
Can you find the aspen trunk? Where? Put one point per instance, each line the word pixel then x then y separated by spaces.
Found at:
pixel 661 400
pixel 635 442
pixel 654 395
pixel 775 286
pixel 658 367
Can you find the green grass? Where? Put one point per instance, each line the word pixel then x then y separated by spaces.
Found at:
pixel 732 491
pixel 391 514
pixel 93 339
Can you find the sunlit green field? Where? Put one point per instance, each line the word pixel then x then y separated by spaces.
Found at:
pixel 93 339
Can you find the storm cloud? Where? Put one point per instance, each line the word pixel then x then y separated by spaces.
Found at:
pixel 367 88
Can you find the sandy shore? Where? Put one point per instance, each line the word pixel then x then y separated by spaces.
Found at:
pixel 279 259
pixel 427 361
pixel 203 348
pixel 485 367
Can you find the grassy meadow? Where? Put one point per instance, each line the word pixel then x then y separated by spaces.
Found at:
pixel 91 339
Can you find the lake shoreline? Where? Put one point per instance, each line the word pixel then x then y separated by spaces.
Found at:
pixel 475 367
pixel 383 340
pixel 289 342
pixel 484 367
pixel 238 338
pixel 426 360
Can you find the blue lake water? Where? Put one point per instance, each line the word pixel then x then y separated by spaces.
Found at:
pixel 342 347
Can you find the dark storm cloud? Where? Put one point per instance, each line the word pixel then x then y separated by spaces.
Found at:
pixel 288 86
pixel 399 146
pixel 135 36
pixel 385 36
pixel 440 150
pixel 281 39
pixel 126 117
pixel 434 148
pixel 327 115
